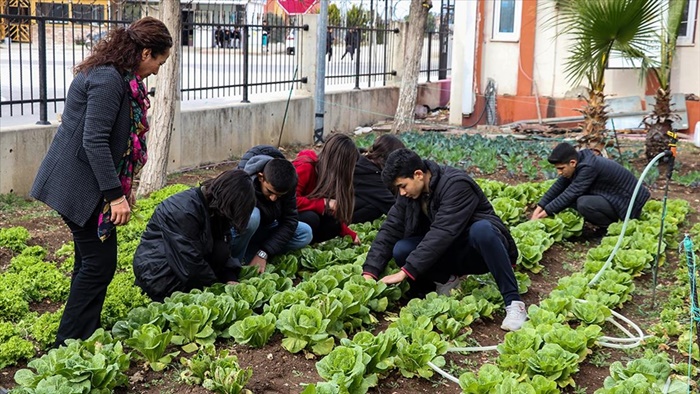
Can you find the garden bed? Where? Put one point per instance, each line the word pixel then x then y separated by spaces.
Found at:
pixel 275 370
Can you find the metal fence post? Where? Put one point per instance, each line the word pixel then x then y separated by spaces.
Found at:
pixel 43 99
pixel 430 50
pixel 357 65
pixel 246 61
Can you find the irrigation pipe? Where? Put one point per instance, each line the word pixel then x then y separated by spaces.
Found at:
pixel 611 342
pixel 608 263
pixel 443 373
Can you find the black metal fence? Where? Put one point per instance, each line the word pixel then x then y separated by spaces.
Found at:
pixel 436 59
pixel 361 57
pixel 217 60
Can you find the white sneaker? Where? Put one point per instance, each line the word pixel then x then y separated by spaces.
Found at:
pixel 445 288
pixel 515 316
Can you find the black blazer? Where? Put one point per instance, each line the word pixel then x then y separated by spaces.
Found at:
pixel 79 169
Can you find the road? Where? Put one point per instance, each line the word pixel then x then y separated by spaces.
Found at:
pixel 203 69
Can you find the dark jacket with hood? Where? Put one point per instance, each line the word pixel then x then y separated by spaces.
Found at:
pixel 372 198
pixel 455 202
pixel 283 210
pixel 598 176
pixel 180 246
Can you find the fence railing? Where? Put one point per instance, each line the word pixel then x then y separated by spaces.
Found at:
pixel 436 59
pixel 217 60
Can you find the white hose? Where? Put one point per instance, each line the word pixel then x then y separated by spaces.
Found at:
pixel 608 263
pixel 611 342
pixel 473 349
pixel 443 373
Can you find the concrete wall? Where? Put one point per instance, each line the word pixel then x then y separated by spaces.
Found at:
pixel 220 131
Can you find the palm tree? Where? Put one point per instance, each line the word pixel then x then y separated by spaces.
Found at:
pixel 597 28
pixel 659 122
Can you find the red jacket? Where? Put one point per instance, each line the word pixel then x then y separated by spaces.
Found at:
pixel 305 164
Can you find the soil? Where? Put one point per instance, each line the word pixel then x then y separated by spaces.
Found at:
pixel 277 371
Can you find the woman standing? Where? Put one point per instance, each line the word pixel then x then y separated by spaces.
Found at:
pixel 372 197
pixel 325 196
pixel 88 171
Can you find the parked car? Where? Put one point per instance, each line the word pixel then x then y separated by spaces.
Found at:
pixel 92 38
pixel 290 41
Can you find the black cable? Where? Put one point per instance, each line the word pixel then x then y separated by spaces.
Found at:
pixel 671 154
pixel 490 90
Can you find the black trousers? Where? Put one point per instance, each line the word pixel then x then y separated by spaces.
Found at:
pixel 485 250
pixel 95 264
pixel 596 210
pixel 323 227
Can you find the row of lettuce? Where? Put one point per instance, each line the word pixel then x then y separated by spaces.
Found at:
pixel 336 301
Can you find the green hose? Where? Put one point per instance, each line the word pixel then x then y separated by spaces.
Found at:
pixel 608 263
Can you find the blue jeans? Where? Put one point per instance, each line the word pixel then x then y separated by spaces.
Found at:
pixel 485 250
pixel 247 243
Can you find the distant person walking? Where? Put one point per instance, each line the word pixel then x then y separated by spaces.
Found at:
pixel 219 37
pixel 236 38
pixel 351 43
pixel 329 43
pixel 99 146
pixel 265 36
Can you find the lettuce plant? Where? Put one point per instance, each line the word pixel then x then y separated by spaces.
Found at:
pixel 150 341
pixel 346 367
pixel 95 365
pixel 554 363
pixel 255 330
pixel 14 238
pixel 284 300
pixel 304 327
pixel 380 348
pixel 190 323
pixel 412 358
pixel 225 376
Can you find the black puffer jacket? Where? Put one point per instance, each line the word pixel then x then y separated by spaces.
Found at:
pixel 283 210
pixel 455 202
pixel 597 176
pixel 177 249
pixel 372 198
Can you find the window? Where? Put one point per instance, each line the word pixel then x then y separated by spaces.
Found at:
pixel 506 20
pixel 56 10
pixel 87 11
pixel 132 12
pixel 686 32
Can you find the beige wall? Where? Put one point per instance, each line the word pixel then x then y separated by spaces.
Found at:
pixel 500 58
pixel 500 62
pixel 685 76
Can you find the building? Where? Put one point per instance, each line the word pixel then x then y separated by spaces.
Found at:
pixel 19 29
pixel 515 44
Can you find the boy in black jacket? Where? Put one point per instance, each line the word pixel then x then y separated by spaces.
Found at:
pixel 274 226
pixel 442 227
pixel 598 188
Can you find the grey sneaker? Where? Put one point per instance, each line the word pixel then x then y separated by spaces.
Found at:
pixel 515 316
pixel 446 288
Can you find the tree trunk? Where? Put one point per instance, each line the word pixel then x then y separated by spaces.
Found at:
pixel 594 119
pixel 659 124
pixel 166 105
pixel 418 16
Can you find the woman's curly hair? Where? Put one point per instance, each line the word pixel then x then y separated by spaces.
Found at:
pixel 122 47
